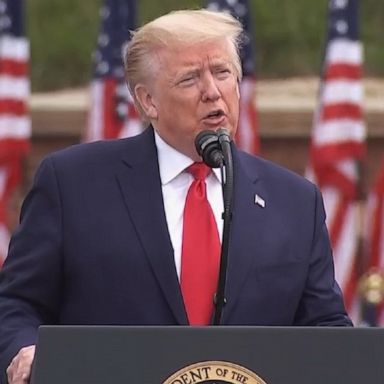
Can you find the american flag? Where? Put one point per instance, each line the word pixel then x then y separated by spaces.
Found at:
pixel 247 137
pixel 112 113
pixel 374 235
pixel 15 124
pixel 338 142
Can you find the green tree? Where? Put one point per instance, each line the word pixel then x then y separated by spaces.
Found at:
pixel 290 37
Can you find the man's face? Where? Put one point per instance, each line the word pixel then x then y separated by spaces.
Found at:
pixel 194 88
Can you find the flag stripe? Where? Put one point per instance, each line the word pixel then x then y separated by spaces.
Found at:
pixel 12 87
pixel 19 148
pixel 341 227
pixel 342 70
pixel 14 48
pixel 112 125
pixel 338 151
pixel 344 51
pixel 17 127
pixel 337 131
pixel 342 91
pixel 13 68
pixel 12 106
pixel 342 111
pixel 350 287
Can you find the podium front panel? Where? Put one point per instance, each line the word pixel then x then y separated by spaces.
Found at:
pixel 151 355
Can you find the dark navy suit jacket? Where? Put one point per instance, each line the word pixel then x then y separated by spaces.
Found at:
pixel 93 247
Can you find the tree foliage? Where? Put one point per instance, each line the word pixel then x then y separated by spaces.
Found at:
pixel 289 35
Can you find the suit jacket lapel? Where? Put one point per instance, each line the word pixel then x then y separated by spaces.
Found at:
pixel 141 187
pixel 247 229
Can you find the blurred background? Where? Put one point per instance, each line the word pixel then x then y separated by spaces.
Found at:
pixel 313 101
pixel 289 37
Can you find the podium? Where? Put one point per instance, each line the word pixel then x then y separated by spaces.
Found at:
pixel 215 355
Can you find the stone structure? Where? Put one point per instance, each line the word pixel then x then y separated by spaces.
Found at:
pixel 286 109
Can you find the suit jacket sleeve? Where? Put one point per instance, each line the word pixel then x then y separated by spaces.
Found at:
pixel 30 279
pixel 322 302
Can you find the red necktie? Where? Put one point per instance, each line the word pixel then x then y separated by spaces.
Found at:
pixel 200 250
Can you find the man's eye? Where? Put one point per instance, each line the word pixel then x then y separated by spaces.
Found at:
pixel 222 73
pixel 188 80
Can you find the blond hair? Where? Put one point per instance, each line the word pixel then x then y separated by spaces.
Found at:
pixel 183 26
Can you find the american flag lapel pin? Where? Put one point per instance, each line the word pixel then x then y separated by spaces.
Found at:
pixel 259 201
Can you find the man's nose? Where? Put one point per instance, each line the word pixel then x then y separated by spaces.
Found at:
pixel 210 90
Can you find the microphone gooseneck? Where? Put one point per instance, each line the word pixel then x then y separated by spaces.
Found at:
pixel 228 188
pixel 223 136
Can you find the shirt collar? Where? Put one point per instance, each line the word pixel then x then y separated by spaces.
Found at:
pixel 172 163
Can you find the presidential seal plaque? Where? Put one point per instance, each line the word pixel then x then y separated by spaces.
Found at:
pixel 214 372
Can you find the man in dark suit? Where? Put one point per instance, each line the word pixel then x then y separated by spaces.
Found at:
pixel 101 238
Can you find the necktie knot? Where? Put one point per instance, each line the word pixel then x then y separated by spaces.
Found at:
pixel 199 171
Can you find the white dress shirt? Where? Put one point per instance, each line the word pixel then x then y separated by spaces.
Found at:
pixel 175 182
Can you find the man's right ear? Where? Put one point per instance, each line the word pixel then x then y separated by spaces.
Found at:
pixel 144 98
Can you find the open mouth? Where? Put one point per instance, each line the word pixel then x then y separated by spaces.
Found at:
pixel 215 114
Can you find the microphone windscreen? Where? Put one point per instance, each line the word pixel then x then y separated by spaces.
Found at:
pixel 208 147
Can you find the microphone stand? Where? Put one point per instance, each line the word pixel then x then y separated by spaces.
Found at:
pixel 227 186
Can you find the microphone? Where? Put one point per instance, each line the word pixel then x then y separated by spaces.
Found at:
pixel 215 149
pixel 223 136
pixel 208 147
